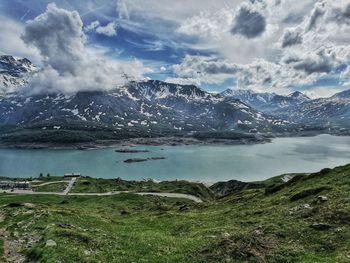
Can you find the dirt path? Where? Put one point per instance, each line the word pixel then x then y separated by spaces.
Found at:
pixel 69 186
pixel 73 180
pixel 170 195
pixel 55 182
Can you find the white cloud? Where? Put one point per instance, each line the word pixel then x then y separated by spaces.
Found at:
pixel 11 42
pixel 208 25
pixel 92 26
pixel 259 75
pixel 69 66
pixel 293 44
pixel 109 30
pixel 323 92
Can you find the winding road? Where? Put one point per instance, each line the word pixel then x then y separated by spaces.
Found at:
pixel 73 180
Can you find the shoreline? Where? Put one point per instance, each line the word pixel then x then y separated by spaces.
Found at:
pixel 133 142
pixel 159 141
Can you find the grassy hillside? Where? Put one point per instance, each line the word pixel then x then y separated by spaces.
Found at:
pixel 303 220
pixel 94 185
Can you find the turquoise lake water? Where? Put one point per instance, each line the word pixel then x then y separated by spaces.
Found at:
pixel 203 163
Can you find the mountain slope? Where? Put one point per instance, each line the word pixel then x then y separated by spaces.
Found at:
pixel 255 99
pixel 14 73
pixel 138 104
pixel 267 102
pixel 298 108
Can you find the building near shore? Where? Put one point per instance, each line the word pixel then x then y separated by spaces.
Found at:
pixel 72 175
pixel 4 185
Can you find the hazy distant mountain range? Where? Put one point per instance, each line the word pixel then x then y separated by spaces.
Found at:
pixel 158 105
pixel 297 107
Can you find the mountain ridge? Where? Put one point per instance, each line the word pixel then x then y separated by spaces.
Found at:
pixel 156 105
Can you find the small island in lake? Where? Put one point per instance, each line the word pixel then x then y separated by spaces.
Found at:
pixel 131 151
pixel 138 160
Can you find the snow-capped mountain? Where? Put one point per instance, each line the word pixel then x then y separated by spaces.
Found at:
pixel 299 108
pixel 298 96
pixel 267 102
pixel 335 108
pixel 151 105
pixel 146 104
pixel 255 99
pixel 344 95
pixel 14 73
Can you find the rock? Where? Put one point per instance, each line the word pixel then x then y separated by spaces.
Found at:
pixel 297 208
pixel 29 205
pixel 322 198
pixel 320 226
pixel 65 225
pixel 183 208
pixel 50 243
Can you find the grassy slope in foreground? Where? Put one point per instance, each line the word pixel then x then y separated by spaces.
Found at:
pixel 256 225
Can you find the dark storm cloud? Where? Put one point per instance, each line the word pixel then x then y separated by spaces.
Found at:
pixel 322 63
pixel 291 38
pixel 249 23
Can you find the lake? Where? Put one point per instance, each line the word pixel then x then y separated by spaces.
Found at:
pixel 209 163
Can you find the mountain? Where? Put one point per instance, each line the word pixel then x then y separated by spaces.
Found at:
pixel 14 72
pixel 342 95
pixel 150 106
pixel 255 99
pixel 298 96
pixel 333 109
pixel 266 102
pixel 147 105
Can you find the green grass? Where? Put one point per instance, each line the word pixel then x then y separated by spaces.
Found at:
pixel 54 187
pixel 1 249
pixel 248 226
pixel 93 185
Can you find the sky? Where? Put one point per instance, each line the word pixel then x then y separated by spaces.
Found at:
pixel 265 45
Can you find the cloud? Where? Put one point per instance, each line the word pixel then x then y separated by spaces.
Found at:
pixel 316 14
pixel 249 23
pixel 69 66
pixel 278 54
pixel 109 30
pixel 92 26
pixel 260 75
pixel 321 62
pixel 183 81
pixel 323 92
pixel 122 10
pixel 207 25
pixel 11 42
pixel 291 37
